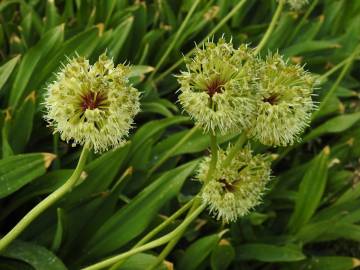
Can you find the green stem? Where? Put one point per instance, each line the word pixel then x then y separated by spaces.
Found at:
pixel 303 20
pixel 158 242
pixel 173 242
pixel 238 145
pixel 324 77
pixel 175 39
pixel 336 84
pixel 169 247
pixel 172 150
pixel 271 27
pixel 46 203
pixel 235 9
pixel 214 157
pixel 156 230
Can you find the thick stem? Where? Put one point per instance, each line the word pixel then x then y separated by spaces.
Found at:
pixel 271 27
pixel 172 150
pixel 235 9
pixel 158 242
pixel 46 203
pixel 238 145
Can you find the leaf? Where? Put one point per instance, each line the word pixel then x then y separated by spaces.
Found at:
pixel 334 125
pixel 17 171
pixel 269 253
pixel 100 173
pixel 197 252
pixel 37 256
pixel 154 107
pixel 132 219
pixel 140 262
pixel 83 43
pixel 310 46
pixel 311 189
pixel 30 61
pixel 59 233
pixel 119 37
pixel 222 256
pixel 350 194
pixel 6 70
pixel 23 120
pixel 152 128
pixel 332 263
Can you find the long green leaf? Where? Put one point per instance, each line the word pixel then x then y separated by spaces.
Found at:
pixel 133 219
pixel 30 61
pixel 311 189
pixel 17 171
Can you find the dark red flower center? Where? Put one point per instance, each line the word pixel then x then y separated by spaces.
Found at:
pixel 229 187
pixel 92 100
pixel 272 99
pixel 215 86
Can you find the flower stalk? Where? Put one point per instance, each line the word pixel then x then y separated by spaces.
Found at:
pixel 271 27
pixel 46 203
pixel 155 243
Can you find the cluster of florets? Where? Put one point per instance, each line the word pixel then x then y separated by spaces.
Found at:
pixel 217 88
pixel 235 188
pixel 92 104
pixel 284 103
pixel 226 89
pixel 297 4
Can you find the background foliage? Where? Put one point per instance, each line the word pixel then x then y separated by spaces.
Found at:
pixel 310 216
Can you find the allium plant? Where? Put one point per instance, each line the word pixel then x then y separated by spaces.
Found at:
pixel 91 105
pixel 226 90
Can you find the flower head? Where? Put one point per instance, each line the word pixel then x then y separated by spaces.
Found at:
pixel 234 190
pixel 93 104
pixel 297 4
pixel 284 103
pixel 217 88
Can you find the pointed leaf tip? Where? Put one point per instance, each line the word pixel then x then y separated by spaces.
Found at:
pixel 48 158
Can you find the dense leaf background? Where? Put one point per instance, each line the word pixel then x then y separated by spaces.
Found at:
pixel 310 217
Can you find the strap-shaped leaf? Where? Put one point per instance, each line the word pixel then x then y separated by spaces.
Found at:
pixel 17 171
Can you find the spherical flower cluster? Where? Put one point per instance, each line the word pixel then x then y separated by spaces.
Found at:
pixel 226 90
pixel 284 103
pixel 216 90
pixel 297 4
pixel 235 189
pixel 92 104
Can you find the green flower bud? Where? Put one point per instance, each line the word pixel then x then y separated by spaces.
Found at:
pixel 217 88
pixel 284 103
pixel 234 190
pixel 93 104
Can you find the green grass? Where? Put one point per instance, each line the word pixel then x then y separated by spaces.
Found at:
pixel 309 216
